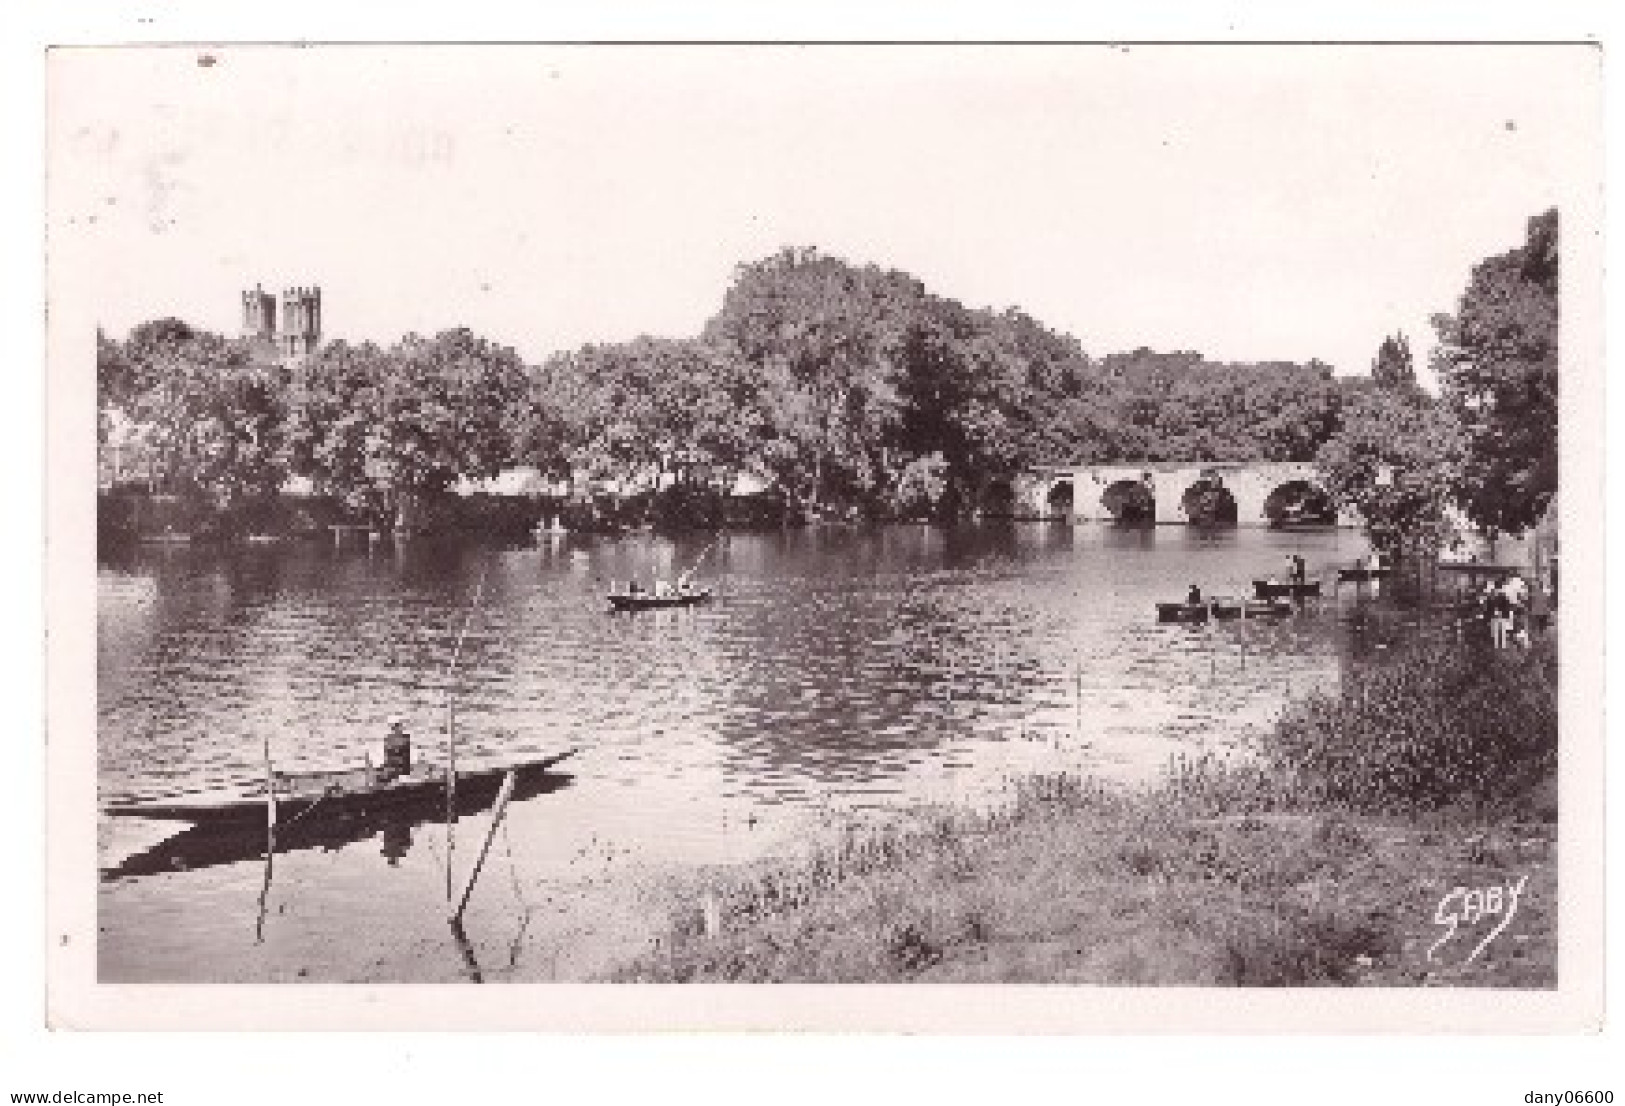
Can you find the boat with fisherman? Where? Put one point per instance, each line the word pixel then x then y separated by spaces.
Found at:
pixel 664 595
pixel 390 815
pixel 641 600
pixel 334 794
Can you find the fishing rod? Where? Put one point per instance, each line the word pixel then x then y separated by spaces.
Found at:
pixel 683 579
pixel 451 728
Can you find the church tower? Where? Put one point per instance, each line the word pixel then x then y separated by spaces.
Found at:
pixel 301 322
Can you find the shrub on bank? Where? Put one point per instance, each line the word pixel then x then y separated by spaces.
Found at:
pixel 1441 725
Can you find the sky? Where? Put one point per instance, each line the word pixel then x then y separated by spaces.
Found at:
pixel 1246 202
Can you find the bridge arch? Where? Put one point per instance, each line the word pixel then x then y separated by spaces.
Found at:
pixel 1207 502
pixel 1130 502
pixel 999 499
pixel 1060 499
pixel 1299 501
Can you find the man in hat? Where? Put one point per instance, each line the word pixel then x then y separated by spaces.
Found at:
pixel 397 751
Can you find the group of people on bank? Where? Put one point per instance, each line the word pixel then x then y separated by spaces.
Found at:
pixel 1504 607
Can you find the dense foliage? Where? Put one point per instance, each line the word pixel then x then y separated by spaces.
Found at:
pixel 1397 460
pixel 847 390
pixel 1497 361
pixel 1403 459
pixel 1393 369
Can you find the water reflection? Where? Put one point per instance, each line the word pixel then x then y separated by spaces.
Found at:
pixel 838 673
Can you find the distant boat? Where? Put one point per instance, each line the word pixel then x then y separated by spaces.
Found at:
pixel 1278 589
pixel 1361 575
pixel 1182 612
pixel 649 601
pixel 1227 607
pixel 168 537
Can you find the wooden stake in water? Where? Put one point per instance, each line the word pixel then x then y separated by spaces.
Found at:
pixel 1077 687
pixel 497 811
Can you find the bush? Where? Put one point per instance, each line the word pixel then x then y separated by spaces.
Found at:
pixel 1441 725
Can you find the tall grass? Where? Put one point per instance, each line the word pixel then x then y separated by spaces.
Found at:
pixel 1440 726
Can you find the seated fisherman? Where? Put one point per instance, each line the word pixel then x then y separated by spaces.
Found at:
pixel 397 751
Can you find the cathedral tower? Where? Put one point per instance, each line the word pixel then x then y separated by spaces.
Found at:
pixel 259 314
pixel 301 322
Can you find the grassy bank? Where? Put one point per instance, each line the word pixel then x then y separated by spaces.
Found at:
pixel 1330 857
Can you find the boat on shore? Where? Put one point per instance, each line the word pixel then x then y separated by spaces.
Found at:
pixel 1182 612
pixel 651 601
pixel 340 793
pixel 1286 589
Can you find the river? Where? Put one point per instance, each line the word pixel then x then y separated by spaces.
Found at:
pixel 840 677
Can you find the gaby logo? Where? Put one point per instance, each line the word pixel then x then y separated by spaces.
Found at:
pixel 1467 907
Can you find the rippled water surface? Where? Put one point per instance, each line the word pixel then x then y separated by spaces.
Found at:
pixel 840 675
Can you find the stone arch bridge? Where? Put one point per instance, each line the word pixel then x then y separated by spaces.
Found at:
pixel 1161 491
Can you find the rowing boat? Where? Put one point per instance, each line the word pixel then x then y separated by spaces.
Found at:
pixel 1182 612
pixel 342 792
pixel 648 601
pixel 1278 589
pixel 1232 607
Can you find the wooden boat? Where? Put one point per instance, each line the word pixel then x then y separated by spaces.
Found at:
pixel 1182 612
pixel 1267 608
pixel 348 792
pixel 1362 575
pixel 1227 606
pixel 332 825
pixel 1285 589
pixel 649 601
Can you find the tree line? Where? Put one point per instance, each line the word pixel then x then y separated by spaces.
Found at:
pixel 848 390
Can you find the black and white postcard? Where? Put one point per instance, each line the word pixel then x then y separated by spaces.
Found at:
pixel 1039 537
